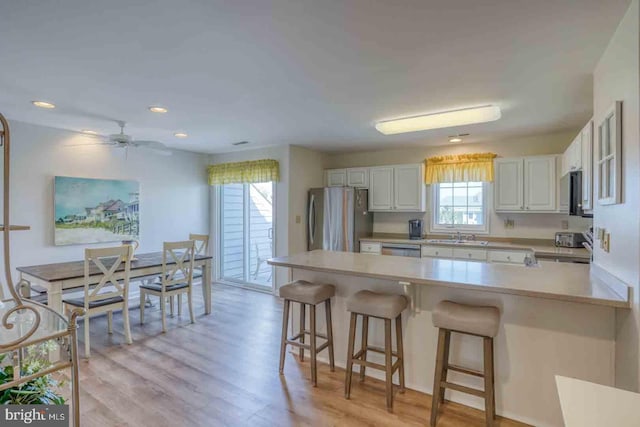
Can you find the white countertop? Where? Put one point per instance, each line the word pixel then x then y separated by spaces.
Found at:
pixel 586 404
pixel 560 281
pixel 539 250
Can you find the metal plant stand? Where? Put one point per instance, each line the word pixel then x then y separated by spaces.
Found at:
pixel 25 323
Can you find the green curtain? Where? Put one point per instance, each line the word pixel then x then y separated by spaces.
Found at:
pixel 244 172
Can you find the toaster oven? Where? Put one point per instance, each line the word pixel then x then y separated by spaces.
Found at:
pixel 566 239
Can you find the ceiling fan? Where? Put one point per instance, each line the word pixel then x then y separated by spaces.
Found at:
pixel 122 140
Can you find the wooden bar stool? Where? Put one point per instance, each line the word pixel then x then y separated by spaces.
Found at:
pixel 386 307
pixel 311 294
pixel 483 322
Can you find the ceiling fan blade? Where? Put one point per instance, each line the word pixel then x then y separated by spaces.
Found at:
pixel 90 144
pixel 156 146
pixel 149 144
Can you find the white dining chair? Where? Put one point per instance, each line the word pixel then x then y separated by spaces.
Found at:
pixel 201 247
pixel 111 292
pixel 176 278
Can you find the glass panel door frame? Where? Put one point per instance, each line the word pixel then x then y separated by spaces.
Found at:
pixel 217 211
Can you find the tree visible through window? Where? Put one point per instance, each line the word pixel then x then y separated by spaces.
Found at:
pixel 460 205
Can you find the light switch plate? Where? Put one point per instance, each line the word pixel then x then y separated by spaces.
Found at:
pixel 607 242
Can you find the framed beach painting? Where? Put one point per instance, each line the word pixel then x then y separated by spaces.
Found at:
pixel 90 210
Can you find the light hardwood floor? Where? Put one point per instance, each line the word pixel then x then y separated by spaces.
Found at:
pixel 223 371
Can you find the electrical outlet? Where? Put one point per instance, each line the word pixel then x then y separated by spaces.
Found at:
pixel 509 223
pixel 564 224
pixel 298 219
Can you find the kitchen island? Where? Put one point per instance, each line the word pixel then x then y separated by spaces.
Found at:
pixel 557 319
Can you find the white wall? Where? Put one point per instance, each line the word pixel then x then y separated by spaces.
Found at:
pixel 173 191
pixel 307 171
pixel 616 77
pixel 281 195
pixel 541 226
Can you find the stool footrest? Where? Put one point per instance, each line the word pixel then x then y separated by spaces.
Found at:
pixel 464 370
pixel 306 332
pixel 381 351
pixel 373 365
pixel 308 346
pixel 462 388
pixel 357 359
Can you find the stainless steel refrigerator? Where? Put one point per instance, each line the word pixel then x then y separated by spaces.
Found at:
pixel 337 218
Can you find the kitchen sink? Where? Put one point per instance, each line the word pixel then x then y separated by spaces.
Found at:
pixel 459 242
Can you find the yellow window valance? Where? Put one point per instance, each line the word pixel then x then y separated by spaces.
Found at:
pixel 460 168
pixel 244 172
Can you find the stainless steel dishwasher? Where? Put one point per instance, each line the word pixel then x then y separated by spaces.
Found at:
pixel 401 249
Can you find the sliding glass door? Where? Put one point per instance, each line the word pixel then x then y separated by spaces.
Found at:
pixel 246 233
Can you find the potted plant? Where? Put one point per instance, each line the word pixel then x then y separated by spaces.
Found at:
pixel 38 391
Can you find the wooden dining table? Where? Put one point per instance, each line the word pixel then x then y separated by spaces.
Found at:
pixel 57 277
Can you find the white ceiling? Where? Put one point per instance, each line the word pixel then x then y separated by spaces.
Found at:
pixel 316 73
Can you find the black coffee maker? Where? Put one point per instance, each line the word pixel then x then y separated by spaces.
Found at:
pixel 415 229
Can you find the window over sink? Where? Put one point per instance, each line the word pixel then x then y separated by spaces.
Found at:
pixel 460 206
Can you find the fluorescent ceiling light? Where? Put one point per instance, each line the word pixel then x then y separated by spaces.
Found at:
pixel 89 132
pixel 467 116
pixel 455 139
pixel 180 135
pixel 43 104
pixel 156 109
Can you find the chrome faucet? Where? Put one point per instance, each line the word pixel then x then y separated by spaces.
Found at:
pixel 458 236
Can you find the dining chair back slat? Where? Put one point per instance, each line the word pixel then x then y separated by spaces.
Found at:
pixel 201 243
pixel 107 261
pixel 177 263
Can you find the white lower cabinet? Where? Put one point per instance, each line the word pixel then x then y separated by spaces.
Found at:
pixel 508 257
pixel 370 248
pixel 437 252
pixel 469 253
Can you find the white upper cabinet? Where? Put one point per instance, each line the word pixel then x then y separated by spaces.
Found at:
pixel 352 177
pixel 509 185
pixel 336 178
pixel 409 188
pixel 358 177
pixel 587 166
pixel 572 157
pixel 381 188
pixel 397 188
pixel 526 184
pixel 540 183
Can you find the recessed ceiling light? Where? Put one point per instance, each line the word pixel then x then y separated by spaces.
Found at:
pixel 43 104
pixel 240 143
pixel 156 109
pixel 467 116
pixel 180 135
pixel 89 132
pixel 455 139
